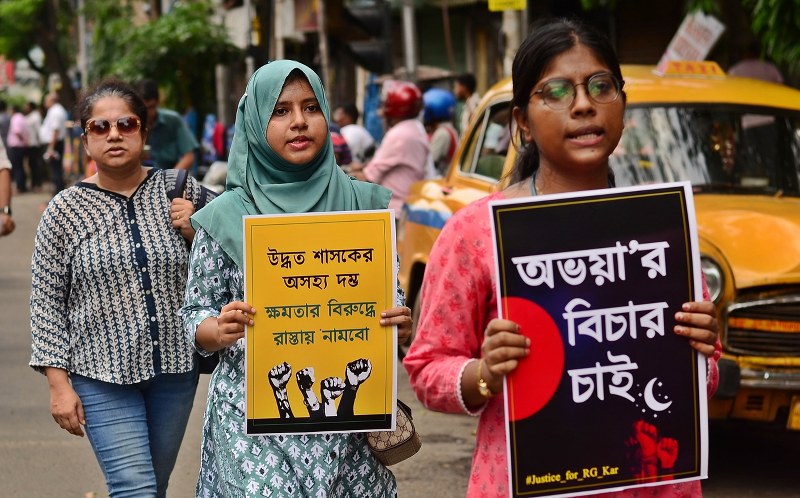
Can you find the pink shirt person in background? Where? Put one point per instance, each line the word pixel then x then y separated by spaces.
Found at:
pixel 403 156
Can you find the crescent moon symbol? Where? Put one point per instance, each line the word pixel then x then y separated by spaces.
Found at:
pixel 651 401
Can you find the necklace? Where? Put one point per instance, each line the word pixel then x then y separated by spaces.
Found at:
pixel 535 191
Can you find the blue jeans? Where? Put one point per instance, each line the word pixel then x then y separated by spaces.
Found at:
pixel 136 430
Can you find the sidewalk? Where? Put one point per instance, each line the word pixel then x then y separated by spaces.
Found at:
pixel 39 460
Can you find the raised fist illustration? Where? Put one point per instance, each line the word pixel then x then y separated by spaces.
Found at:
pixel 279 375
pixel 357 372
pixel 331 388
pixel 667 452
pixel 278 378
pixel 646 452
pixel 305 381
pixel 647 436
pixel 305 378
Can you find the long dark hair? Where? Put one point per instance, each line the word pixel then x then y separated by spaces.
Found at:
pixel 535 54
pixel 112 88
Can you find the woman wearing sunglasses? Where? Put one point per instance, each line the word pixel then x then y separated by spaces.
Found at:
pixel 109 271
pixel 568 105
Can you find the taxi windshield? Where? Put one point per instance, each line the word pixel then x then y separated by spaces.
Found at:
pixel 738 150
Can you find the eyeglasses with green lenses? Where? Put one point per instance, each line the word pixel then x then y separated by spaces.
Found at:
pixel 602 88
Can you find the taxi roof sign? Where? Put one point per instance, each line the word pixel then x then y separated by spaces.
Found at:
pixel 690 68
pixel 693 41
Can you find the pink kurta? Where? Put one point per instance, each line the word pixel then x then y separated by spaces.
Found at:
pixel 400 160
pixel 458 300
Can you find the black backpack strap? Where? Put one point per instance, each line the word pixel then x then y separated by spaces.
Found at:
pixel 175 182
pixel 206 195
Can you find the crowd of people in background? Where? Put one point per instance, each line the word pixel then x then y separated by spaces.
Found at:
pixel 128 139
pixel 420 134
pixel 183 290
pixel 35 139
pixel 39 141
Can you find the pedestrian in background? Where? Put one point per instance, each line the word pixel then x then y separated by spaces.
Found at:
pixel 52 135
pixel 109 270
pixel 341 151
pixel 359 140
pixel 6 221
pixel 465 91
pixel 207 146
pixel 752 65
pixel 33 118
pixel 462 351
pixel 172 144
pixel 440 109
pixel 281 161
pixel 17 145
pixel 403 156
pixel 5 121
pixel 759 128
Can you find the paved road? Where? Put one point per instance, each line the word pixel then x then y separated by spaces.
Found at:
pixel 39 460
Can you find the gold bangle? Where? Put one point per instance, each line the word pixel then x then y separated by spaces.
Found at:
pixel 483 387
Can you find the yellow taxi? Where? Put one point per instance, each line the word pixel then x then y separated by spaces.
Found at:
pixel 737 140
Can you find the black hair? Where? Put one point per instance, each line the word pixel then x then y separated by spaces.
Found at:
pixel 148 89
pixel 546 42
pixel 468 80
pixel 112 88
pixel 295 75
pixel 352 111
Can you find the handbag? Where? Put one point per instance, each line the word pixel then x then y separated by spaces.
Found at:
pixel 175 184
pixel 391 447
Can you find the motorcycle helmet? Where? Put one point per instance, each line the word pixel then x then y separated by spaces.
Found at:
pixel 401 99
pixel 440 105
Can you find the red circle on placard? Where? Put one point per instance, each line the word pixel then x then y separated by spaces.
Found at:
pixel 536 378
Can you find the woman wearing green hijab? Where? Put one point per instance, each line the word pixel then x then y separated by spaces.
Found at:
pixel 281 161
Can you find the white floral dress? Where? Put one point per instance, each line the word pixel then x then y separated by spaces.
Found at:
pixel 234 464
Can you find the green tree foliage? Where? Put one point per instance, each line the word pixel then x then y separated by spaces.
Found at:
pixel 777 25
pixel 17 22
pixel 708 6
pixel 112 33
pixel 178 50
pixel 596 4
pixel 47 24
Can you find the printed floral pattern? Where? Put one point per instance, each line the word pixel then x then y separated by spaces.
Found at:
pixel 234 464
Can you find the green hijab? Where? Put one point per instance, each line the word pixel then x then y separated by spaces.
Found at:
pixel 261 182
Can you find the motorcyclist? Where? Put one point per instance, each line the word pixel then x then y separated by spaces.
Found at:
pixel 403 157
pixel 440 108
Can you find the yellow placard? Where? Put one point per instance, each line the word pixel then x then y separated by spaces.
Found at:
pixel 500 5
pixel 317 358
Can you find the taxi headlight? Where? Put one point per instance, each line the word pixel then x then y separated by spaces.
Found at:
pixel 714 277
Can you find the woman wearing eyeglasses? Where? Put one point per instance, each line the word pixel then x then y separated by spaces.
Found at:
pixel 568 105
pixel 109 271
